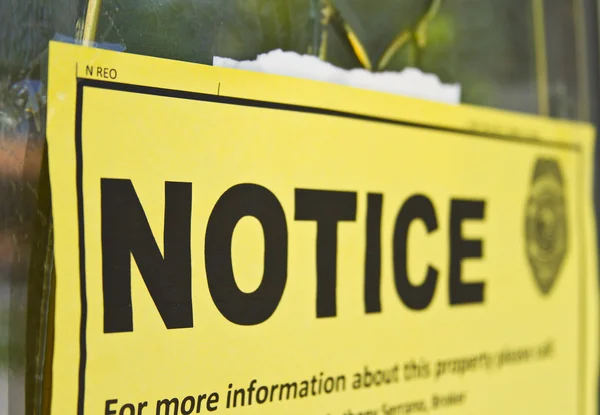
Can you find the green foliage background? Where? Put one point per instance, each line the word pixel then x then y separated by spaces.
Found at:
pixel 487 46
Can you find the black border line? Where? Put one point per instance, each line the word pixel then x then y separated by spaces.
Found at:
pixel 197 96
pixel 246 102
pixel 81 222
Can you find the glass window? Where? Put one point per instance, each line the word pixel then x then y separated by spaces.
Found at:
pixel 522 55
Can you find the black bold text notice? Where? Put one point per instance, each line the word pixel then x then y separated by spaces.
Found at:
pixel 126 232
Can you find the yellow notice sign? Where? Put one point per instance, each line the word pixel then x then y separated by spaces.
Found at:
pixel 233 242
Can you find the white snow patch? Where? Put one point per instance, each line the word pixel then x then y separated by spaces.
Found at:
pixel 410 82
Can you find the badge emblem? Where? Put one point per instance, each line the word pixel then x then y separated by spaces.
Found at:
pixel 546 224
